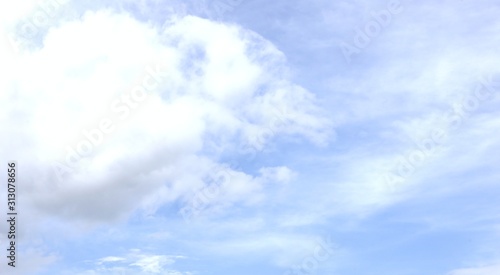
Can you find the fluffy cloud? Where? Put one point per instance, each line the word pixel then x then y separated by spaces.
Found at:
pixel 109 112
pixel 135 262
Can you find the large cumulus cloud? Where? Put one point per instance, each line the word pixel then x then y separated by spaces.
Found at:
pixel 110 114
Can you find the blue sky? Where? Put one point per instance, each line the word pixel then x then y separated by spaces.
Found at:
pixel 253 137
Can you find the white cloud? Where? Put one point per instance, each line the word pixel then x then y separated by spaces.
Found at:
pixel 216 84
pixel 135 261
pixel 280 174
pixel 153 264
pixel 110 259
